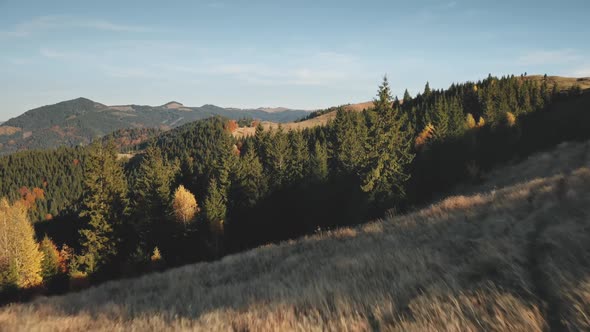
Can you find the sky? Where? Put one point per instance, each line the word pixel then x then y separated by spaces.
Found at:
pixel 298 54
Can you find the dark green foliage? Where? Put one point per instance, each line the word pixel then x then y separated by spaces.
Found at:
pixel 249 184
pixel 348 142
pixel 151 198
pixel 104 207
pixel 50 262
pixel 388 153
pixel 79 121
pixel 58 172
pixel 298 157
pixel 318 163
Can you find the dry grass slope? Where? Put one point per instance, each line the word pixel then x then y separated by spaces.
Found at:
pixel 514 257
pixel 321 120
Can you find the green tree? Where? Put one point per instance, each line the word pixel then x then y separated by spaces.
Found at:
pixel 151 196
pixel 249 183
pixel 348 141
pixel 104 206
pixel 319 161
pixel 50 263
pixel 215 209
pixel 388 152
pixel 298 158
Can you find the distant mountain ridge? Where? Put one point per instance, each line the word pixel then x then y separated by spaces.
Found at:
pixel 79 121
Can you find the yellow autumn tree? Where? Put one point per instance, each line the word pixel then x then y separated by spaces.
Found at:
pixel 18 247
pixel 184 205
pixel 470 121
pixel 509 119
pixel 424 136
pixel 481 122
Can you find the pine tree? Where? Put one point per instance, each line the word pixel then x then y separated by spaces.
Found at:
pixel 388 153
pixel 276 151
pixel 298 158
pixel 348 141
pixel 20 257
pixel 440 118
pixel 407 97
pixel 104 206
pixel 215 208
pixel 319 161
pixel 152 196
pixel 456 126
pixel 249 184
pixel 50 263
pixel 427 91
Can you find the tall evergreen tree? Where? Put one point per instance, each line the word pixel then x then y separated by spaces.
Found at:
pixel 50 262
pixel 298 159
pixel 319 161
pixel 249 184
pixel 349 137
pixel 104 207
pixel 152 196
pixel 389 152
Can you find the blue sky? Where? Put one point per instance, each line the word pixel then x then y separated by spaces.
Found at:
pixel 298 53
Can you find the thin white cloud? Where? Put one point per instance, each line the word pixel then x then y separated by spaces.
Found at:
pixel 44 23
pixel 321 68
pixel 544 57
pixel 128 72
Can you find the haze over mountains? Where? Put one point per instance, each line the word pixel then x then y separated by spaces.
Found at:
pixel 80 120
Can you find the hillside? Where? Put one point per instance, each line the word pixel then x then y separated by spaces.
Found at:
pixel 78 121
pixel 515 257
pixel 320 120
pixel 563 83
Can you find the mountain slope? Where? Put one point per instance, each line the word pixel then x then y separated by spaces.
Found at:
pixel 315 121
pixel 515 257
pixel 322 117
pixel 80 120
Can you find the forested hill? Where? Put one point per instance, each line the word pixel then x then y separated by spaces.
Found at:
pixel 78 121
pixel 198 193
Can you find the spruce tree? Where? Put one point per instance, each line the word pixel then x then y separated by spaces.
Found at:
pixel 388 152
pixel 249 184
pixel 104 207
pixel 50 263
pixel 152 196
pixel 215 209
pixel 319 161
pixel 348 141
pixel 298 158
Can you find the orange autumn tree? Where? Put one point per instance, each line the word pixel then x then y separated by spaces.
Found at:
pixel 231 126
pixel 30 197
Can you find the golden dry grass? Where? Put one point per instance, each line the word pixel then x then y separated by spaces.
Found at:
pixel 563 83
pixel 8 130
pixel 321 120
pixel 513 257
